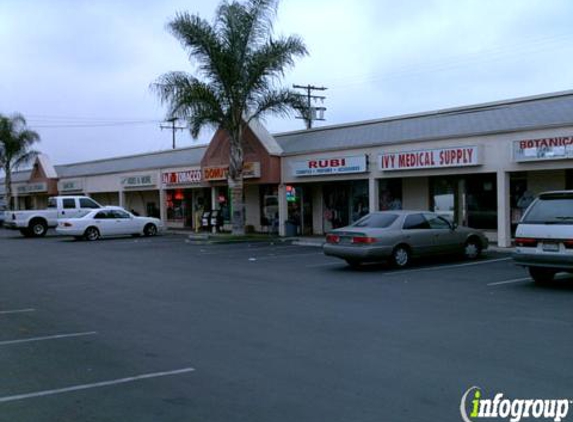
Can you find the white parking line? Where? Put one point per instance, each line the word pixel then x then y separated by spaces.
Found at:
pixel 54 337
pixel 17 311
pixel 94 385
pixel 254 258
pixel 515 280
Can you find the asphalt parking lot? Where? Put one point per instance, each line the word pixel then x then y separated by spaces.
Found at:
pixel 163 329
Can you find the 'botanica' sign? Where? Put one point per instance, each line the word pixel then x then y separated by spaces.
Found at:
pixel 557 148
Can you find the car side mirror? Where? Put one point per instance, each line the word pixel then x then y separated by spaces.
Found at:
pixel 454 225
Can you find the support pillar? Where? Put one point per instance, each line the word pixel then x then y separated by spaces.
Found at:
pixel 162 205
pixel 373 195
pixel 503 210
pixel 283 210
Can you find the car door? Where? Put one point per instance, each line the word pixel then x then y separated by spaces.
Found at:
pixel 445 238
pixel 104 222
pixel 68 208
pixel 417 234
pixel 124 223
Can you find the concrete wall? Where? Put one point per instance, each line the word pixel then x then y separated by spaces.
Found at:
pixel 252 207
pixel 415 193
pixel 138 200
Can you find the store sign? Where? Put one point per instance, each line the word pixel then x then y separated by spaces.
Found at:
pixel 557 148
pixel 33 188
pixel 142 180
pixel 70 186
pixel 251 170
pixel 430 158
pixel 184 177
pixel 330 166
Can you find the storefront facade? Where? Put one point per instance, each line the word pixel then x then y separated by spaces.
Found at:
pixel 479 166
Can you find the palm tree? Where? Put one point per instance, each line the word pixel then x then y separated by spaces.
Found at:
pixel 238 66
pixel 15 143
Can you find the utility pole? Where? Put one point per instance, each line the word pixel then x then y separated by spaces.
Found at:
pixel 311 113
pixel 173 128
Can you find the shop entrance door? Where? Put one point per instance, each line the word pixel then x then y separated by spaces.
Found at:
pixel 299 199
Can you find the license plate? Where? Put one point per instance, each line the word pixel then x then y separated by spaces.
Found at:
pixel 550 247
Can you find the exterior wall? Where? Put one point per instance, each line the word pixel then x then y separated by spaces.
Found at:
pixel 138 200
pixel 416 193
pixel 253 207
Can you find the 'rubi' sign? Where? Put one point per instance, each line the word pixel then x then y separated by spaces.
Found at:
pixel 184 177
pixel 330 166
pixel 430 158
pixel 557 148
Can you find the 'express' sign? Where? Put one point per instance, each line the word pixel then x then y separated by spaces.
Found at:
pixel 430 158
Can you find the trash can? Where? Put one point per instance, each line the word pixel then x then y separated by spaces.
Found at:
pixel 290 229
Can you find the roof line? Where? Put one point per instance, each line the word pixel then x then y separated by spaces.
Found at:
pixel 444 111
pixel 418 140
pixel 123 157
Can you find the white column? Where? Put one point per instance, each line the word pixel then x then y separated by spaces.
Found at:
pixel 162 205
pixel 213 198
pixel 283 210
pixel 317 210
pixel 372 194
pixel 122 199
pixel 503 210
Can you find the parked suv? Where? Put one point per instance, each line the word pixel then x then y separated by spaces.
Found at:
pixel 544 236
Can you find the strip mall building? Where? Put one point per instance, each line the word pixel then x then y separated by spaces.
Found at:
pixel 480 165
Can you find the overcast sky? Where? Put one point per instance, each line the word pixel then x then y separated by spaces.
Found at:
pixel 89 64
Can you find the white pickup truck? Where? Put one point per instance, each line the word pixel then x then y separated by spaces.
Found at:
pixel 36 223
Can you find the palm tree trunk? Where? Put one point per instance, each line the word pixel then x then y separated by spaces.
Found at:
pixel 235 181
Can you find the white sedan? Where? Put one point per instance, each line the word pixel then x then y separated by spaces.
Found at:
pixel 109 222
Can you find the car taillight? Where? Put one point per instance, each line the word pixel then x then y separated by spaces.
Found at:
pixel 568 244
pixel 363 240
pixel 332 238
pixel 526 242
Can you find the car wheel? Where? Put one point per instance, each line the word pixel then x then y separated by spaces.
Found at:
pixel 401 256
pixel 150 230
pixel 472 249
pixel 541 275
pixel 91 234
pixel 38 228
pixel 353 263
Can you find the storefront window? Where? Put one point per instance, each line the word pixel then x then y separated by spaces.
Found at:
pixel 176 205
pixel 470 200
pixel 269 211
pixel 344 203
pixel 224 204
pixel 390 194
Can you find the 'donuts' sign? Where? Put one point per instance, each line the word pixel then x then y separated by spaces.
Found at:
pixel 330 166
pixel 251 170
pixel 557 148
pixel 430 158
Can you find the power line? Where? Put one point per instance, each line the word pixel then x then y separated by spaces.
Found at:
pixel 88 125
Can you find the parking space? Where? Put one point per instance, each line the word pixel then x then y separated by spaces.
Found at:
pixel 147 329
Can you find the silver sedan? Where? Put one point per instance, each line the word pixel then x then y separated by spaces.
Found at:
pixel 398 236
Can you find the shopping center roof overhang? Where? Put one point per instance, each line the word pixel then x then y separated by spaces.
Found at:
pixel 182 157
pixel 528 113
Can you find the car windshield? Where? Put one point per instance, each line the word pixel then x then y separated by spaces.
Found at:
pixel 556 210
pixel 376 221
